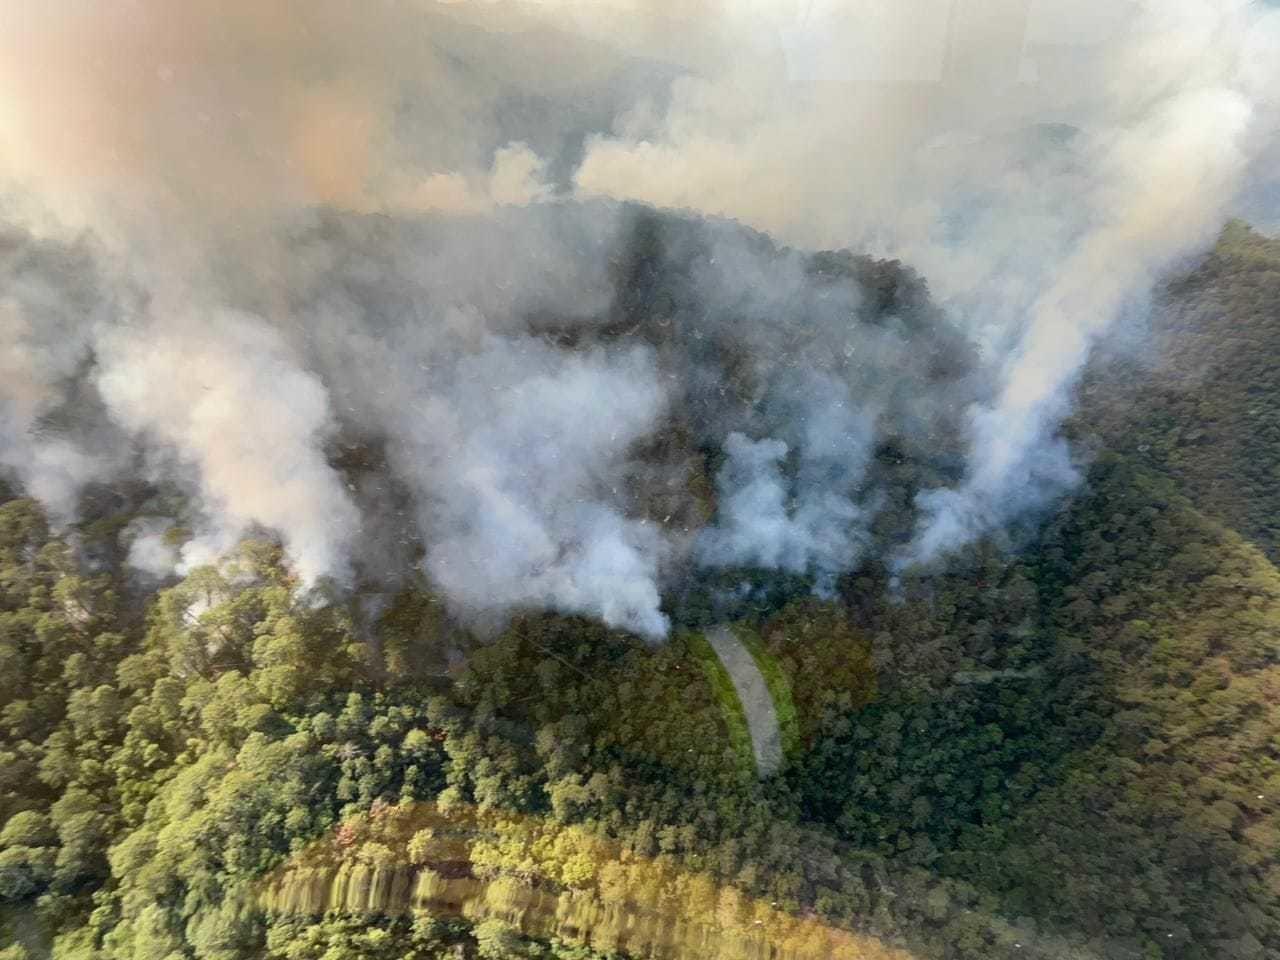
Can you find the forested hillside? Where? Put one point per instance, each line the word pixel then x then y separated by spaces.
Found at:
pixel 1196 401
pixel 1067 748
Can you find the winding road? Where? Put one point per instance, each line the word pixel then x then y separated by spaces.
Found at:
pixel 753 694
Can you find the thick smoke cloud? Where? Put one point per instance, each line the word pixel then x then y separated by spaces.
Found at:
pixel 190 383
pixel 368 276
pixel 527 361
pixel 528 483
pixel 52 299
pixel 811 526
pixel 1042 165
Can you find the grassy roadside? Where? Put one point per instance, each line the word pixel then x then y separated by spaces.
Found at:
pixel 725 692
pixel 775 679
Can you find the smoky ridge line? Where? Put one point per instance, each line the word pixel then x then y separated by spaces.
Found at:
pixel 455 444
pixel 573 358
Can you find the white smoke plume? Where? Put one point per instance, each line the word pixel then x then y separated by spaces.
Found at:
pixel 516 450
pixel 51 301
pixel 949 160
pixel 809 527
pixel 365 276
pixel 150 549
pixel 225 393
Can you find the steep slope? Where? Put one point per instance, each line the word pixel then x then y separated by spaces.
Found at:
pixel 1114 772
pixel 1067 751
pixel 1177 619
pixel 1199 399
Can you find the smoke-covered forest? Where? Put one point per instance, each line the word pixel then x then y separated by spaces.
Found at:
pixel 1063 749
pixel 767 481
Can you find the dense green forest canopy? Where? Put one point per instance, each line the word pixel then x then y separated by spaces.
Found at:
pixel 1062 746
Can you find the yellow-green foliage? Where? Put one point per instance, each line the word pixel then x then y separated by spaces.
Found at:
pixel 726 695
pixel 674 704
pixel 548 881
pixel 641 703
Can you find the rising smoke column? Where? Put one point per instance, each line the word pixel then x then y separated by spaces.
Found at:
pixel 1036 243
pixel 378 241
pixel 513 448
pixel 53 299
pixel 521 516
pixel 224 392
pixel 1193 143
